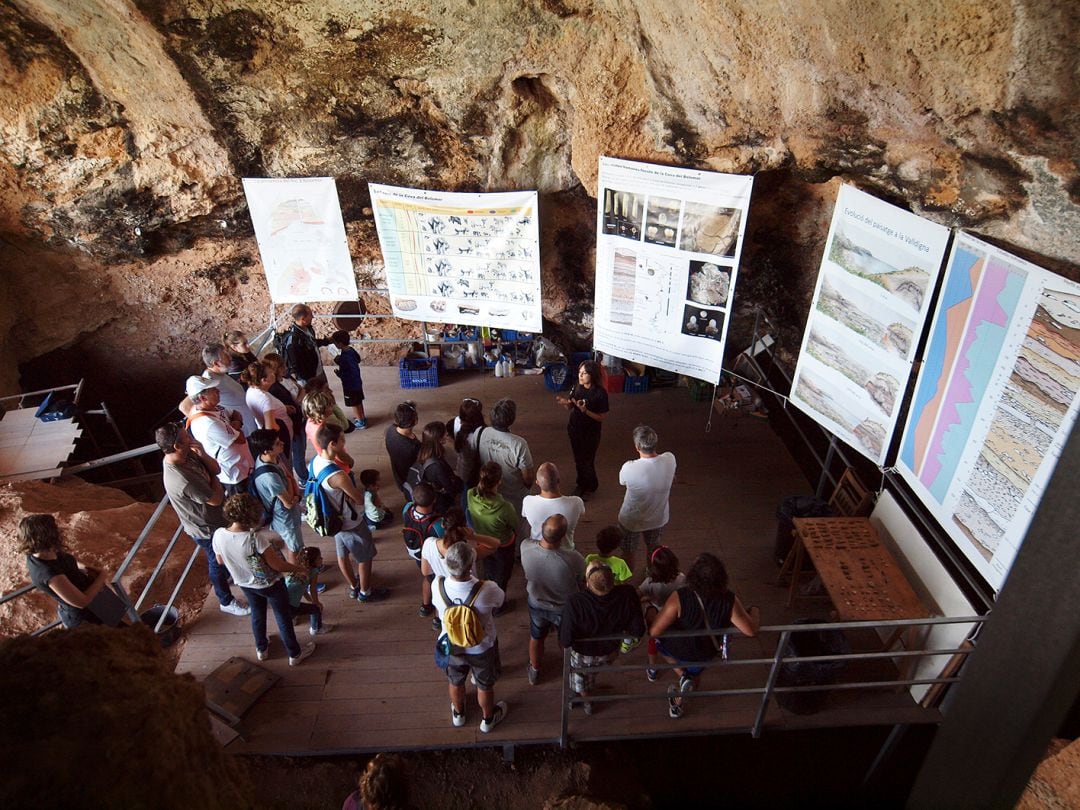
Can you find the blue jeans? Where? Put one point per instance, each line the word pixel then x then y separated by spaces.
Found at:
pixel 219 577
pixel 296 452
pixel 278 597
pixel 499 565
pixel 313 613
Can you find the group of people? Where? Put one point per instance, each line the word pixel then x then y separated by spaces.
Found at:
pixel 237 467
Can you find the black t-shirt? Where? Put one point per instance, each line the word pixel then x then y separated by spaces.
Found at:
pixel 586 615
pixel 699 648
pixel 402 451
pixel 41 571
pixel 596 400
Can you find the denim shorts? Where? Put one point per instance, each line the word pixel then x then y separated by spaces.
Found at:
pixel 691 669
pixel 541 620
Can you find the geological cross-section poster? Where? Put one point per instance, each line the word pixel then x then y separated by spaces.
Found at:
pixel 667 253
pixel 461 258
pixel 995 400
pixel 873 291
pixel 301 239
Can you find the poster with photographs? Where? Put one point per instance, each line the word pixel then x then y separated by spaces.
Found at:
pixel 301 238
pixel 460 257
pixel 877 277
pixel 667 254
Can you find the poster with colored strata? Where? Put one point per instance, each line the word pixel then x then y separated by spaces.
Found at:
pixel 461 258
pixel 873 291
pixel 995 400
pixel 667 255
pixel 301 239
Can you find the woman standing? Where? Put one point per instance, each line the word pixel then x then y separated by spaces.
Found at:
pixel 465 429
pixel 435 469
pixel 588 405
pixel 257 567
pixel 493 515
pixel 269 411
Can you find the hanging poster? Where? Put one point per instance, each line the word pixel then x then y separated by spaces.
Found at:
pixel 995 400
pixel 301 239
pixel 873 291
pixel 461 258
pixel 667 254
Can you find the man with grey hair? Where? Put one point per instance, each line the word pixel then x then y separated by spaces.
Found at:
pixel 552 574
pixel 648 480
pixel 482 659
pixel 216 359
pixel 218 432
pixel 535 509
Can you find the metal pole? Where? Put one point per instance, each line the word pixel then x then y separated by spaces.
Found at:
pixel 774 671
pixel 823 482
pixel 157 569
pixel 176 591
pixel 141 539
pixel 564 719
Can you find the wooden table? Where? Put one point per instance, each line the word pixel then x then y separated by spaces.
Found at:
pixel 860 575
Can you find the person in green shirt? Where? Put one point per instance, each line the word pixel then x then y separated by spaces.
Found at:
pixel 607 540
pixel 494 515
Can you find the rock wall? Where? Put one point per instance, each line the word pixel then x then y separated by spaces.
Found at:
pixel 126 125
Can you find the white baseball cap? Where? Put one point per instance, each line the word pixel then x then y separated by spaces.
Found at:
pixel 196 385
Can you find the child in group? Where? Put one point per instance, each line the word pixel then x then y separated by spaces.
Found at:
pixel 377 515
pixel 319 410
pixel 662 578
pixel 277 490
pixel 607 540
pixel 306 583
pixel 348 369
pixel 288 392
pixel 336 416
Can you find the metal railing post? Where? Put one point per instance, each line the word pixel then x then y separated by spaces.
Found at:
pixel 157 568
pixel 122 569
pixel 195 552
pixel 774 672
pixel 564 714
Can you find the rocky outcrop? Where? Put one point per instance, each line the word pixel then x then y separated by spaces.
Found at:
pixel 127 125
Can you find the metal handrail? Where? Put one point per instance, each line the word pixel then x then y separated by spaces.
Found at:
pixel 769 687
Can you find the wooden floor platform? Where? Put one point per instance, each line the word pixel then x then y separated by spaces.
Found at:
pixel 372 684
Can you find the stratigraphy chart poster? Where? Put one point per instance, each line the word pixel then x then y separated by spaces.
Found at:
pixel 301 239
pixel 995 400
pixel 667 254
pixel 461 258
pixel 873 291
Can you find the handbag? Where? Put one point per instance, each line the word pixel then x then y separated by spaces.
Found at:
pixel 721 646
pixel 442 651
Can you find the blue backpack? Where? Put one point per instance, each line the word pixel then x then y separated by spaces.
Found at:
pixel 322 514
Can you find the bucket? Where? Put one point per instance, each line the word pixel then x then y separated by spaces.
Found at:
pixel 170 628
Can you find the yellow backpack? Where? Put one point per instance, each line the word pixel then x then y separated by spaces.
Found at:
pixel 461 622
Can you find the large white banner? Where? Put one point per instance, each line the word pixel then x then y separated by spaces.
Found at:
pixel 995 400
pixel 667 254
pixel 461 258
pixel 872 296
pixel 301 239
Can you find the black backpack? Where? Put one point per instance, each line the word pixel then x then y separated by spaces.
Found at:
pixel 416 474
pixel 415 529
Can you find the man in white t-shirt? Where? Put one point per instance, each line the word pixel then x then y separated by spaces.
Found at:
pixel 482 659
pixel 221 439
pixel 354 540
pixel 535 509
pixel 510 451
pixel 648 480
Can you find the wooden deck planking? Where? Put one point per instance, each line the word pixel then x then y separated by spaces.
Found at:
pixel 372 684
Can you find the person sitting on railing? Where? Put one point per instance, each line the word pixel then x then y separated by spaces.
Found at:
pixel 81 592
pixel 602 609
pixel 704 603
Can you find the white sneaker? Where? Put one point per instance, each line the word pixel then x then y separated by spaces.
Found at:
pixel 322 631
pixel 457 719
pixel 262 655
pixel 235 608
pixel 305 652
pixel 501 710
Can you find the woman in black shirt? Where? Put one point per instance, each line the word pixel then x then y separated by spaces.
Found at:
pixel 435 469
pixel 588 405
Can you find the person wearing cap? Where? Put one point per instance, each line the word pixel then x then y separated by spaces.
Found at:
pixel 217 359
pixel 302 348
pixel 221 438
pixel 481 660
pixel 602 609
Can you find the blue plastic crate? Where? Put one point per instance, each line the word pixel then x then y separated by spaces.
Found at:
pixel 508 334
pixel 557 377
pixel 419 373
pixel 636 385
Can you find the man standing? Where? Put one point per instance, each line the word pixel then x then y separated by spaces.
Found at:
pixel 482 659
pixel 401 443
pixel 216 358
pixel 302 348
pixel 552 575
pixel 354 539
pixel 535 509
pixel 219 434
pixel 196 495
pixel 602 609
pixel 648 480
pixel 509 450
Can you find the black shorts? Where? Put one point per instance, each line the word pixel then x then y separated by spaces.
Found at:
pixel 354 396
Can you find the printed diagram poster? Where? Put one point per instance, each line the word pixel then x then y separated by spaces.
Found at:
pixel 873 291
pixel 995 400
pixel 301 239
pixel 461 258
pixel 667 254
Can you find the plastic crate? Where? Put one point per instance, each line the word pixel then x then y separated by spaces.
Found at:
pixel 636 385
pixel 508 334
pixel 557 377
pixel 614 383
pixel 419 373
